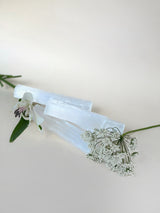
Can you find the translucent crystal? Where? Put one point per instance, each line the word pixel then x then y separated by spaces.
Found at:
pixel 64 129
pixel 84 119
pixel 43 97
pixel 66 116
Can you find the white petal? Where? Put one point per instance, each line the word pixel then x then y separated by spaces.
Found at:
pixel 36 117
pixel 27 97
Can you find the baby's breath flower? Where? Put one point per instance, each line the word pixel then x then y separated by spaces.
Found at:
pixel 110 147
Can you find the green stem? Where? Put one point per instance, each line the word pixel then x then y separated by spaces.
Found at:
pixel 8 83
pixel 9 76
pixel 4 77
pixel 137 130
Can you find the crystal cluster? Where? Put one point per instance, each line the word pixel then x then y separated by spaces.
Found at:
pixel 110 147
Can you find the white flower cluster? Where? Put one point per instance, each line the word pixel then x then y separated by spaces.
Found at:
pixel 110 147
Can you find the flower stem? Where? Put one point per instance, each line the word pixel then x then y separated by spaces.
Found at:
pixel 8 83
pixel 141 129
pixel 4 77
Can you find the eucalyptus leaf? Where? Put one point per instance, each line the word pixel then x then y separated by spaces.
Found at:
pixel 21 126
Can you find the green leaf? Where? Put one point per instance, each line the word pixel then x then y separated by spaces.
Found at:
pixel 21 126
pixel 40 127
pixel 13 76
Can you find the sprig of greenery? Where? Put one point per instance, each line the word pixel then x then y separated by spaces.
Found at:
pixel 4 79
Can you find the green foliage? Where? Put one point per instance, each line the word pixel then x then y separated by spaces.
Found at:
pixel 40 127
pixel 4 77
pixel 21 126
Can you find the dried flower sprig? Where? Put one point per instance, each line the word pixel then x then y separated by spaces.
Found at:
pixel 114 149
pixel 107 146
pixel 4 79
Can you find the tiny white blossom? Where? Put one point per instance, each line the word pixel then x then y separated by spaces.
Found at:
pixel 109 147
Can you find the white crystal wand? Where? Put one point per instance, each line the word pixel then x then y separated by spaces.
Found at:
pixel 66 116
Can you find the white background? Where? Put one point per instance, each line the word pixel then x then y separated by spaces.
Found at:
pixel 106 51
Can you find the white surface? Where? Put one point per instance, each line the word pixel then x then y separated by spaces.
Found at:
pixel 104 51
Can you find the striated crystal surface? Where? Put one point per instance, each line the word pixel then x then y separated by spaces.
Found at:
pixel 43 97
pixel 64 129
pixel 66 116
pixel 84 119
